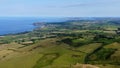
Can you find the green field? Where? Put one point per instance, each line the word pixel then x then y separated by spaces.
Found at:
pixel 81 44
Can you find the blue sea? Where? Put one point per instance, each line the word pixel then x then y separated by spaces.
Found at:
pixel 11 25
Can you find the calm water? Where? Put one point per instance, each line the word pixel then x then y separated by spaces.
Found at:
pixel 10 25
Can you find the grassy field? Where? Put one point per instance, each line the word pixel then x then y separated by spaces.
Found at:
pixel 49 55
pixel 61 45
pixel 43 55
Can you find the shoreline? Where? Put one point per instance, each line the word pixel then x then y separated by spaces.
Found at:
pixel 3 35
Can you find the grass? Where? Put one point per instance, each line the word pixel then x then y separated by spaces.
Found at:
pixel 46 60
pixel 48 55
pixel 66 56
pixel 20 61
pixel 89 48
pixel 109 54
pixel 116 55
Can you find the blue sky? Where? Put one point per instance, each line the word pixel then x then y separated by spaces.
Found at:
pixel 60 8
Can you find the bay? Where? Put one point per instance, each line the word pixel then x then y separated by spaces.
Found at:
pixel 11 25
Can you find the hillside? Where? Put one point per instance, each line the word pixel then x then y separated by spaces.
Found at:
pixel 72 44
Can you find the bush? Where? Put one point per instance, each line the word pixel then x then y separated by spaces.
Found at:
pixel 76 42
pixel 102 54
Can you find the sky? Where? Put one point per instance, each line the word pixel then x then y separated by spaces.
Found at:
pixel 60 8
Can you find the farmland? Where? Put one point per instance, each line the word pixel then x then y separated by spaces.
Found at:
pixel 69 44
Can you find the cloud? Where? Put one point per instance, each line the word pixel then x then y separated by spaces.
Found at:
pixel 75 5
pixel 92 4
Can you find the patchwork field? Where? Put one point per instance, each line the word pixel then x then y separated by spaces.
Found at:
pixel 47 55
pixel 72 44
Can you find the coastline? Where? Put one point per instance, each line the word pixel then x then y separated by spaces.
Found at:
pixel 3 35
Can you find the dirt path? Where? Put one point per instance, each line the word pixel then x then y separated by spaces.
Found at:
pixel 84 66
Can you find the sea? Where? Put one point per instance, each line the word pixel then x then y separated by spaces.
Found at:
pixel 12 25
